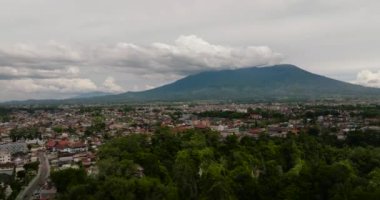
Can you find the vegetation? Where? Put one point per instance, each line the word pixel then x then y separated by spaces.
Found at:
pixel 25 133
pixel 18 180
pixel 98 125
pixel 224 114
pixel 199 164
pixel 4 114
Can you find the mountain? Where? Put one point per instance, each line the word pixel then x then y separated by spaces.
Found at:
pixel 254 83
pixel 278 82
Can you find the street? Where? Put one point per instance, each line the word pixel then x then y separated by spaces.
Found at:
pixel 41 177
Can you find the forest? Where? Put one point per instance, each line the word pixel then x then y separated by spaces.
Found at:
pixel 200 164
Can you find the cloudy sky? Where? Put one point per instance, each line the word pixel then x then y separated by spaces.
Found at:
pixel 59 49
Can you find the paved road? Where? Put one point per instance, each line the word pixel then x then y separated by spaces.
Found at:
pixel 41 177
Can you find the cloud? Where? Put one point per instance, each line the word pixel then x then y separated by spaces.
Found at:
pixel 46 61
pixel 67 69
pixel 189 54
pixel 109 85
pixel 368 78
pixel 46 56
pixel 22 89
pixel 61 85
pixel 7 73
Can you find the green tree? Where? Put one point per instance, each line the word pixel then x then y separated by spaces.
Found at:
pixel 64 179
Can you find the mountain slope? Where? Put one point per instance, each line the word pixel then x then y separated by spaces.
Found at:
pixel 273 82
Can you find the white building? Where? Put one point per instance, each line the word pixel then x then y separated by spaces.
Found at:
pixel 5 157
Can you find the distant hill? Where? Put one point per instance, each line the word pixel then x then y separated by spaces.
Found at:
pixel 278 82
pixel 92 94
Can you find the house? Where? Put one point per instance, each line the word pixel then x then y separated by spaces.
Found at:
pixel 46 194
pixel 64 145
pixel 86 162
pixel 14 147
pixel 35 141
pixel 201 123
pixel 65 160
pixel 48 191
pixel 7 168
pixel 277 131
pixel 139 171
pixel 181 128
pixel 255 132
pixel 5 157
pixel 229 131
pixel 77 147
pixel 256 116
pixel 50 145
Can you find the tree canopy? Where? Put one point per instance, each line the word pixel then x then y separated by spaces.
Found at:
pixel 200 164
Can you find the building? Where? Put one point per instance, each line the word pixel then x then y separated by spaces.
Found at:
pixel 7 168
pixel 5 157
pixel 14 147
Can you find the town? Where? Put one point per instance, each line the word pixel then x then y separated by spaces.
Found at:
pixel 70 136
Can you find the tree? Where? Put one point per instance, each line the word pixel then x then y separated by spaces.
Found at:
pixel 66 178
pixel 200 164
pixel 21 174
pixel 185 175
pixel 31 166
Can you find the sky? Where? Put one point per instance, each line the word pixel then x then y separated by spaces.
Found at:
pixel 59 49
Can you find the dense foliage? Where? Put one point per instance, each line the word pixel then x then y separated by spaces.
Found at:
pixel 17 180
pixel 4 114
pixel 224 114
pixel 199 164
pixel 25 133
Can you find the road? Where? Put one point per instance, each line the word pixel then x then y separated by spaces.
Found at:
pixel 41 177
